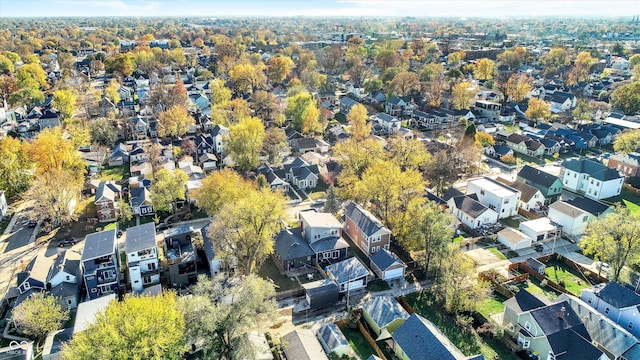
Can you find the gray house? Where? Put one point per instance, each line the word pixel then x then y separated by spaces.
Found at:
pixel 100 265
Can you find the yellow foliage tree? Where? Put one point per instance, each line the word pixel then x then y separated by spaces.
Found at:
pixel 538 109
pixel 358 126
pixel 245 143
pixel 65 102
pixel 174 121
pixel 462 95
pixel 484 69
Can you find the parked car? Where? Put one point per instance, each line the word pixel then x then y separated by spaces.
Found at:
pixel 67 242
pixel 32 223
pixel 538 247
pixel 603 266
pixel 161 227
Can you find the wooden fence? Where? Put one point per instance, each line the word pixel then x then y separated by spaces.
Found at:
pixel 370 340
pixel 405 305
pixel 289 293
pixel 528 214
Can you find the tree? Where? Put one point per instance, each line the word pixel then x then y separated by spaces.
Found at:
pixel 538 109
pixel 627 98
pixel 245 143
pixel 31 75
pixel 442 170
pixel 484 69
pixel 304 112
pixel 247 77
pixel 27 96
pixel 174 121
pixel 513 58
pixel 628 141
pixel 634 60
pixel 14 166
pixel 279 67
pixel 102 132
pixel 244 228
pixel 167 188
pixel 124 211
pixel 275 145
pixel 220 94
pixel 121 64
pixel 219 188
pixel 614 239
pixel 555 61
pixel 6 65
pixel 112 91
pixel 434 90
pixel 38 315
pixel 355 157
pixel 265 106
pixel 140 327
pixel 50 151
pixel 331 201
pixel 7 86
pixel 357 118
pixel 408 154
pixel 386 59
pixel 54 195
pixel 483 139
pixel 519 86
pixel 405 82
pixel 617 48
pixel 582 112
pixel 222 311
pixel 457 286
pixel 78 133
pixel 456 57
pixel 331 58
pixel 431 71
pixel 462 95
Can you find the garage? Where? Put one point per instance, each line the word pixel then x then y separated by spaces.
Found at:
pixel 348 274
pixel 514 239
pixel 387 266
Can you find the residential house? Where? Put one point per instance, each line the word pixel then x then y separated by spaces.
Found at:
pixel 497 151
pixel 49 120
pixel 384 315
pixel 100 265
pixel 627 164
pixel 301 344
pixel 429 119
pixel 318 240
pixel 540 229
pixel 54 344
pixel 142 256
pixel 119 155
pixel 216 263
pixel 138 154
pixel 389 123
pixel 551 146
pixel 549 185
pixel 333 340
pixel 572 219
pixel 274 177
pixel 321 294
pixel 208 162
pixel 488 109
pixel 365 230
pixel 219 134
pixel 180 256
pixel 301 174
pixel 139 127
pixel 591 178
pixel 470 211
pixel 34 276
pixel 106 107
pixel 346 103
pixel 141 201
pixel 397 106
pixel 531 198
pixel 204 144
pixel 106 200
pixel 495 195
pixel 387 266
pixel 62 279
pixel 617 303
pixel 554 330
pixel 513 239
pixel 418 338
pixel 559 102
pixel 525 145
pixel 349 274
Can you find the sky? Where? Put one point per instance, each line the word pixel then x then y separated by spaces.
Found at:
pixel 324 8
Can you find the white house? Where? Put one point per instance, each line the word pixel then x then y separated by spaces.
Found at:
pixel 142 256
pixel 616 302
pixel 531 198
pixel 591 178
pixel 471 212
pixel 514 239
pixel 388 122
pixel 495 195
pixel 572 219
pixel 540 229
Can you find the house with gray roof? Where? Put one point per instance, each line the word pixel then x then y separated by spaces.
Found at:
pixel 617 302
pixel 34 276
pixel 384 315
pixel 471 212
pixel 321 293
pixel 333 340
pixel 389 123
pixel 99 264
pixel 572 219
pixel 591 178
pixel 549 185
pixel 350 274
pixel 141 201
pixel 386 265
pixel 141 249
pixel 365 229
pixel 54 343
pixel 119 155
pixel 301 344
pixel 106 200
pixel 62 279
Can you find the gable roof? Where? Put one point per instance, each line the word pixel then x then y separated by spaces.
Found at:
pixel 558 317
pixel 593 207
pixel 537 176
pixel 420 339
pixel 37 269
pixel 290 245
pixel 618 295
pixel 591 167
pixel 567 209
pixel 99 244
pixel 384 258
pixel 68 261
pixel 332 336
pixel 363 219
pixel 301 344
pixel 524 301
pixel 345 270
pixel 139 196
pixel 527 191
pixel 470 206
pixel 570 344
pixel 107 190
pixel 384 309
pixel 140 237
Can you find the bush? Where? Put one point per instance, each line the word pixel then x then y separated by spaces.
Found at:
pixel 508 159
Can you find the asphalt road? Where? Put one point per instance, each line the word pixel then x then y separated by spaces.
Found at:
pixel 20 235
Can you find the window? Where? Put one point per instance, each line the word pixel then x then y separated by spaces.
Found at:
pixel 26 286
pixel 375 249
pixel 606 311
pixel 630 325
pixel 506 201
pixel 589 301
pixel 525 344
pixel 585 218
pixel 94 290
pixel 68 277
pixel 69 301
pixel 527 325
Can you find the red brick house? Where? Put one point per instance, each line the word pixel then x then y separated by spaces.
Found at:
pixel 366 231
pixel 106 201
pixel 626 164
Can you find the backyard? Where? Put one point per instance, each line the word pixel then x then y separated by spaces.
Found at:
pixel 358 342
pixel 491 306
pixel 534 287
pixel 468 341
pixel 564 276
pixel 116 173
pixel 269 270
pixel 497 253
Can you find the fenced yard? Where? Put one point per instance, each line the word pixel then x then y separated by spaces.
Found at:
pixel 566 277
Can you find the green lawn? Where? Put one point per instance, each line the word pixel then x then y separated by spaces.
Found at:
pixel 470 343
pixel 513 222
pixel 378 285
pixel 358 342
pixel 491 306
pixel 269 270
pixel 533 286
pixel 115 173
pixel 566 277
pixel 497 253
pixel 631 206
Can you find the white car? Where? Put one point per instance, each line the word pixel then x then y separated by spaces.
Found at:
pixel 603 266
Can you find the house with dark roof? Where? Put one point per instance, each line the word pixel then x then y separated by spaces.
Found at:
pixel 365 229
pixel 531 198
pixel 100 265
pixel 384 315
pixel 389 123
pixel 346 103
pixel 471 212
pixel 62 279
pixel 333 340
pixel 591 178
pixel 418 338
pixel 549 185
pixel 301 174
pixel 386 265
pixel 180 255
pixel 219 134
pixel 106 200
pixel 34 276
pixel 349 274
pixel 141 201
pixel 142 256
pixel 119 155
pixel 54 343
pixel 398 106
pixel 317 240
pixel 616 302
pixel 627 164
pixel 497 151
pixel 275 177
pixel 321 294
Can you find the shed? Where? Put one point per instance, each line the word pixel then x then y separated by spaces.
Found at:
pixel 384 315
pixel 386 265
pixel 536 265
pixel 321 294
pixel 514 239
pixel 301 344
pixel 333 340
pixel 52 349
pixel 349 274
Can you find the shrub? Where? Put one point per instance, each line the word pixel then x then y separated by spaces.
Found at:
pixel 508 159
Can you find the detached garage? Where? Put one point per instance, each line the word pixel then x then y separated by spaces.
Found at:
pixel 349 274
pixel 386 265
pixel 514 239
pixel 321 294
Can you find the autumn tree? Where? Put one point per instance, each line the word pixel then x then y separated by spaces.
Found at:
pixel 51 150
pixel 167 188
pixel 519 86
pixel 303 110
pixel 628 141
pixel 124 212
pixel 513 58
pixel 174 121
pixel 247 77
pixel 614 239
pixel 408 154
pixel 38 315
pixel 244 229
pixel 275 145
pixel 627 98
pixel 7 86
pixel 441 170
pixel 121 64
pixel 31 76
pixel 456 57
pixel 266 107
pixel 355 157
pixel 483 139
pixel 484 69
pixel 331 58
pixel 112 91
pixel 221 311
pixel 434 91
pixel 538 109
pixel 462 95
pixel 581 68
pixel 220 188
pixel 555 61
pixel 14 166
pixel 220 94
pixel 65 102
pixel 6 65
pixel 140 327
pixel 279 67
pixel 102 132
pixel 54 195
pixel 405 82
pixel 27 96
pixel 431 71
pixel 357 118
pixel 245 143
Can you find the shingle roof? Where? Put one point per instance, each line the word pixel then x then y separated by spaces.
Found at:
pixel 344 270
pixel 469 206
pixel 99 244
pixel 364 220
pixel 320 287
pixel 618 295
pixel 527 191
pixel 140 237
pixel 572 345
pixel 537 176
pixel 107 190
pixel 384 309
pixel 593 207
pixel 332 336
pixel 306 143
pixel 290 245
pixel 420 339
pixel 567 209
pixel 301 344
pixel 523 301
pixel 68 261
pixel 558 317
pixel 384 258
pixel 139 196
